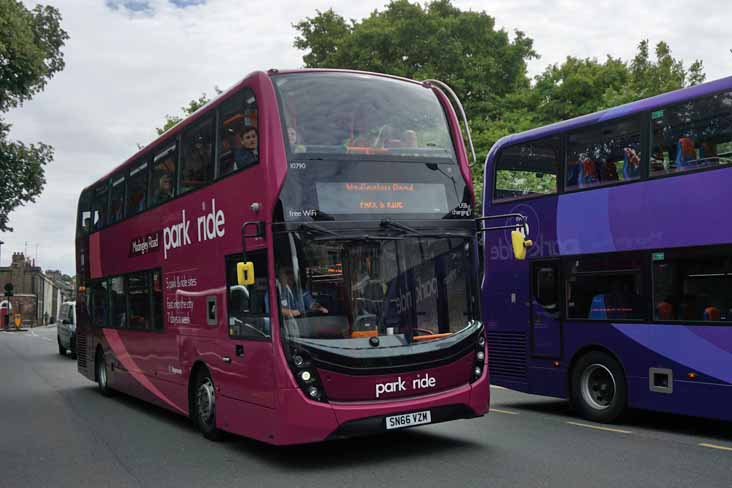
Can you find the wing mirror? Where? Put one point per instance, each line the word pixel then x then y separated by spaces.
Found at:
pixel 245 273
pixel 520 244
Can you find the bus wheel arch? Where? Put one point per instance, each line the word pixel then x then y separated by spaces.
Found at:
pixel 597 384
pixel 200 384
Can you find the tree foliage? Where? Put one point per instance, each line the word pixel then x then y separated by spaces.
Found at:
pixel 30 55
pixel 486 67
pixel 173 120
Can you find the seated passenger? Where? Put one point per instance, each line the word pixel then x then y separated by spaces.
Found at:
pixel 708 153
pixel 631 164
pixel 665 310
pixel 248 153
pixel 164 191
pixel 712 314
pixel 610 171
pixel 685 153
pixel 588 175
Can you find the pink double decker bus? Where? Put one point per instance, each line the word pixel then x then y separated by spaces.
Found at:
pixel 294 262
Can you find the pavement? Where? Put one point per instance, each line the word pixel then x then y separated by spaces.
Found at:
pixel 56 430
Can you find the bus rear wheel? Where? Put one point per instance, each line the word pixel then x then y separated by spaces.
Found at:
pixel 102 375
pixel 599 391
pixel 204 406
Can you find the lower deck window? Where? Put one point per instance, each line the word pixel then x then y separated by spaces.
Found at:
pixel 605 287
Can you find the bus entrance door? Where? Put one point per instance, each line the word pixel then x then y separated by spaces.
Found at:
pixel 546 328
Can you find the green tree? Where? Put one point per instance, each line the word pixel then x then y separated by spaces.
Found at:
pixel 437 40
pixel 30 54
pixel 173 120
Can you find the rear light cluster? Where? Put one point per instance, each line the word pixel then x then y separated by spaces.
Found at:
pixel 306 376
pixel 479 356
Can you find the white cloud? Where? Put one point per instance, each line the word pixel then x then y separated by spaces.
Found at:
pixel 127 68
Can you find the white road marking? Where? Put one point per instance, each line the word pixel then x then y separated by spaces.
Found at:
pixel 714 446
pixel 598 427
pixel 507 412
pixel 496 387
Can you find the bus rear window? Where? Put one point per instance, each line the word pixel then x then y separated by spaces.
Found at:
pixel 528 169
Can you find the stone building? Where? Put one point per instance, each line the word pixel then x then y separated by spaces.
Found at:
pixel 38 297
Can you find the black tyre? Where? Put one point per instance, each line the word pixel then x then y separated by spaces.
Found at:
pixel 102 374
pixel 599 391
pixel 61 348
pixel 72 346
pixel 204 406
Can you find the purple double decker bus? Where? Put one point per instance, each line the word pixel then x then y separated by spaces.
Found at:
pixel 626 297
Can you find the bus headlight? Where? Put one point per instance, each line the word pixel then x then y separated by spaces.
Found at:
pixel 480 356
pixel 306 376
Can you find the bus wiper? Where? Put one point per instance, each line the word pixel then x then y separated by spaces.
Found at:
pixel 386 223
pixel 357 237
pixel 316 229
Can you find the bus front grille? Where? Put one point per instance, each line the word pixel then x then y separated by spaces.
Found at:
pixel 81 353
pixel 507 354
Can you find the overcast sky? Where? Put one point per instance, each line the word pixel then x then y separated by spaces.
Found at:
pixel 130 62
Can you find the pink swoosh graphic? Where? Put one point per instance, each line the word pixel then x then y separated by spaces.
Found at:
pixel 120 351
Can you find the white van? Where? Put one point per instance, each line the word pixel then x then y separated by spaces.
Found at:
pixel 66 329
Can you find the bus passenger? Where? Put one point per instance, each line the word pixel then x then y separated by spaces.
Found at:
pixel 164 191
pixel 685 153
pixel 248 153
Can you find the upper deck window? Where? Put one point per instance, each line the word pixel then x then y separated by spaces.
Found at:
pixel 162 184
pixel 365 116
pixel 604 154
pixel 528 169
pixel 197 164
pixel 695 134
pixel 137 189
pixel 117 203
pixel 238 134
pixel 99 207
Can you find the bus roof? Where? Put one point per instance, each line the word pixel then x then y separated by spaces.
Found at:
pixel 670 98
pixel 178 128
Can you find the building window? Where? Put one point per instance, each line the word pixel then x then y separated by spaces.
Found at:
pixel 605 287
pixel 692 135
pixel 197 164
pixel 238 133
pixel 604 154
pixel 528 169
pixel 693 285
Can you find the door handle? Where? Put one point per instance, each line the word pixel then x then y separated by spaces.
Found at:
pixel 239 350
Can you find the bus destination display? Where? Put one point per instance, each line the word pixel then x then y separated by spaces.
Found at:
pixel 358 198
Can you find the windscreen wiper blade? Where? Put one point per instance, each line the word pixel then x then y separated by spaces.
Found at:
pixel 390 224
pixel 358 237
pixel 316 229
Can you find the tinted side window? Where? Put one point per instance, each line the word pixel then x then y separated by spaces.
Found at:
pixel 137 189
pixel 604 154
pixel 692 135
pixel 248 306
pixel 238 134
pixel 606 287
pixel 117 303
pixel 99 303
pixel 157 299
pixel 162 183
pixel 117 200
pixel 99 207
pixel 546 286
pixel 693 285
pixel 138 301
pixel 197 164
pixel 528 169
pixel 84 218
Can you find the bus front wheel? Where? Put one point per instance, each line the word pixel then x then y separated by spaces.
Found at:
pixel 204 402
pixel 599 391
pixel 102 375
